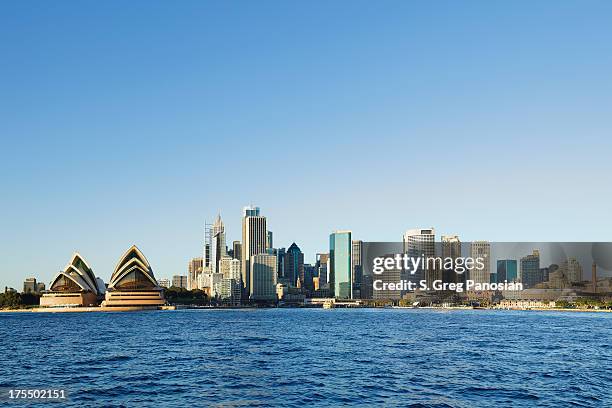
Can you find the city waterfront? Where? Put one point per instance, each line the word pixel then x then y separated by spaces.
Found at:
pixel 291 357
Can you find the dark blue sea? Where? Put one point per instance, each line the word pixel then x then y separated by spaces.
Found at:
pixel 312 357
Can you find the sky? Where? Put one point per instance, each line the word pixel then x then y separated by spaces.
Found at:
pixel 135 122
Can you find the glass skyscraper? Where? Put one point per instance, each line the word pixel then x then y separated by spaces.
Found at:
pixel 340 246
pixel 506 270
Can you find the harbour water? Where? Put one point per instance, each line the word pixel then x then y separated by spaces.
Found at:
pixel 312 357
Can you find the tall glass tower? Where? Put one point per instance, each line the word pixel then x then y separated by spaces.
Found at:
pixel 340 246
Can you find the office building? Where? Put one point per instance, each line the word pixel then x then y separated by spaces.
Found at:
pixel 269 240
pixel 340 249
pixel 481 250
pixel 29 285
pixel 572 270
pixel 179 281
pixel 254 238
pixel 420 242
pixel 356 266
pixel 263 277
pixel 164 283
pixel 194 269
pixel 451 248
pixel 217 244
pixel 294 266
pixel 507 270
pixel 530 271
pixel 237 252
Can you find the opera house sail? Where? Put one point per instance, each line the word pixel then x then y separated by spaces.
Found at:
pixel 76 285
pixel 133 283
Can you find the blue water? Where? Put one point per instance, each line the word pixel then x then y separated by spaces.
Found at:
pixel 297 357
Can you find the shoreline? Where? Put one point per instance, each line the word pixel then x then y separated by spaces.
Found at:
pixel 178 307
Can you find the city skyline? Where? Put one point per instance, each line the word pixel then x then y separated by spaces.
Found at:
pixel 442 116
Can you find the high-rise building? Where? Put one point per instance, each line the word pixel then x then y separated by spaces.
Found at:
pixel 194 269
pixel 230 268
pixel 179 281
pixel 340 248
pixel 40 287
pixel 218 247
pixel 310 273
pixel 531 274
pixel 356 266
pixel 451 248
pixel 482 250
pixel 269 240
pixel 237 246
pixel 572 270
pixel 389 275
pixel 420 242
pixel 263 277
pixel 29 285
pixel 294 266
pixel 506 270
pixel 163 283
pixel 254 237
pixel 322 267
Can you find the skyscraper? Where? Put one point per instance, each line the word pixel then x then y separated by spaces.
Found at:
pixel 421 243
pixel 340 248
pixel 218 247
pixel 269 240
pixel 237 246
pixel 29 285
pixel 194 269
pixel 294 265
pixel 263 277
pixel 531 274
pixel 254 237
pixel 451 248
pixel 481 249
pixel 572 270
pixel 506 270
pixel 356 266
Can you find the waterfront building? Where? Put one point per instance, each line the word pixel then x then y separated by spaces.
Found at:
pixel 254 237
pixel 218 246
pixel 310 273
pixel 380 282
pixel 572 270
pixel 237 250
pixel 76 285
pixel 507 270
pixel 133 283
pixel 179 281
pixel 294 266
pixel 420 242
pixel 451 248
pixel 482 250
pixel 29 285
pixel 322 267
pixel 356 266
pixel 530 271
pixel 263 277
pixel 340 248
pixel 194 269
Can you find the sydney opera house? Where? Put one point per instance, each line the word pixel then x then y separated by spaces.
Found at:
pixel 132 284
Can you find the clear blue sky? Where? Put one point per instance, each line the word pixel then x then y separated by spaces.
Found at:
pixel 134 122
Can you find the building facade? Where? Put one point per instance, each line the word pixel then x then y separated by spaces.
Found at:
pixel 254 239
pixel 263 277
pixel 340 274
